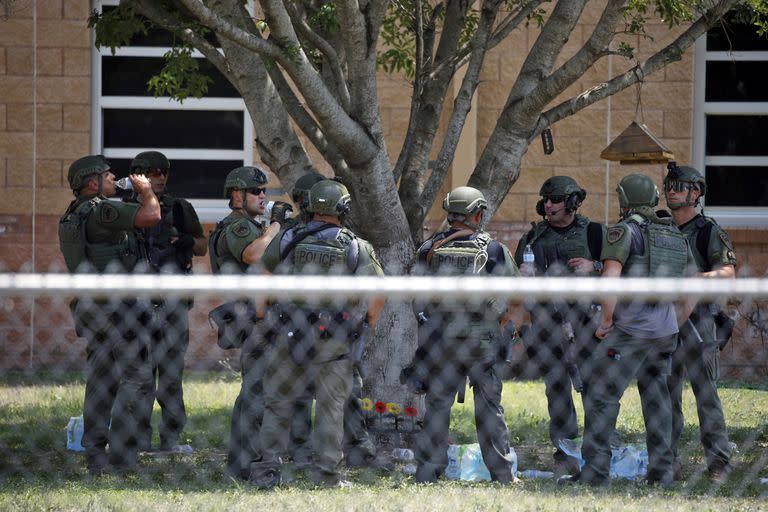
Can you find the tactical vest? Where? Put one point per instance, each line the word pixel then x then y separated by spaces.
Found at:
pixel 77 250
pixel 666 250
pixel 158 237
pixel 218 252
pixel 459 257
pixel 314 255
pixel 553 248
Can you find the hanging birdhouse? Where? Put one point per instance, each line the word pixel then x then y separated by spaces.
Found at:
pixel 637 145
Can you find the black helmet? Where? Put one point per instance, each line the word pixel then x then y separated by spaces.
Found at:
pixel 300 192
pixel 637 190
pixel 147 160
pixel 244 178
pixel 84 167
pixel 681 177
pixel 566 187
pixel 329 197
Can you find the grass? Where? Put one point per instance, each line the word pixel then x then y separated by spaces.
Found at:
pixel 37 473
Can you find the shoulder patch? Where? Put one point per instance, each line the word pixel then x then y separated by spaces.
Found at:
pixel 726 241
pixel 108 213
pixel 240 230
pixel 615 233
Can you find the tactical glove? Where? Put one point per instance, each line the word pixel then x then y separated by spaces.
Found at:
pixel 281 212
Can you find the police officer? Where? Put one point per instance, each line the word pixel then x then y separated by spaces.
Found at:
pixel 313 348
pixel 697 353
pixel 170 246
pixel 456 340
pixel 97 234
pixel 235 246
pixel 637 337
pixel 560 341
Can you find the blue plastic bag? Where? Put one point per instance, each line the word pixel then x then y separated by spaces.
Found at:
pixel 465 462
pixel 75 434
pixel 629 461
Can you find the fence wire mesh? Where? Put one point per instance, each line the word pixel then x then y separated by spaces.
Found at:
pixel 273 379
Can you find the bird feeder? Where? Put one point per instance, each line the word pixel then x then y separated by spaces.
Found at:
pixel 637 145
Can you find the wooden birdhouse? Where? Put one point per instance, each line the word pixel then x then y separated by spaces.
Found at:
pixel 637 145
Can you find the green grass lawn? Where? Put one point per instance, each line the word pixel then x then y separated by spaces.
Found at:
pixel 38 473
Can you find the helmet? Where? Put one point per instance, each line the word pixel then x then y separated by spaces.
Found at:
pixel 637 190
pixel 149 160
pixel 560 186
pixel 244 178
pixel 565 186
pixel 685 174
pixel 84 167
pixel 300 192
pixel 464 201
pixel 329 197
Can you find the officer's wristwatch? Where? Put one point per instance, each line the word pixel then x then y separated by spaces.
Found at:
pixel 598 266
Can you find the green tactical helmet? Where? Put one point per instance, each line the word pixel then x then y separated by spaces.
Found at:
pixel 84 167
pixel 300 192
pixel 147 160
pixel 329 197
pixel 637 190
pixel 685 174
pixel 560 186
pixel 244 178
pixel 464 201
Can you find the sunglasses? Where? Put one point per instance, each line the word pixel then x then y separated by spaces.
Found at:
pixel 257 191
pixel 679 186
pixel 554 199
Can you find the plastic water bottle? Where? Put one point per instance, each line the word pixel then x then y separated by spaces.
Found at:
pixel 268 209
pixel 535 473
pixel 124 183
pixel 402 454
pixel 530 260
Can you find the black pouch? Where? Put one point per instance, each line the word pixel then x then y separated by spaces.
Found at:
pixel 235 321
pixel 724 325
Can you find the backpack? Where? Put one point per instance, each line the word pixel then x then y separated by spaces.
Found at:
pixel 72 239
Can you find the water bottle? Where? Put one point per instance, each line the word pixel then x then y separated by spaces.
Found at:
pixel 535 473
pixel 124 183
pixel 402 454
pixel 530 260
pixel 268 209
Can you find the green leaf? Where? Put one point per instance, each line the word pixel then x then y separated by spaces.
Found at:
pixel 180 78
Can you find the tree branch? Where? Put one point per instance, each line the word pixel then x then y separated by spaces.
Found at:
pixel 669 53
pixel 349 136
pixel 326 48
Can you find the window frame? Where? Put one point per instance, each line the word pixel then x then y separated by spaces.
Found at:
pixel 208 210
pixel 728 216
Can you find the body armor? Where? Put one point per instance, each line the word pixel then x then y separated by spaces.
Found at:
pixel 666 251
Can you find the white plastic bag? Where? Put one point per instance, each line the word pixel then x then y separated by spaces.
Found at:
pixel 465 462
pixel 629 461
pixel 75 434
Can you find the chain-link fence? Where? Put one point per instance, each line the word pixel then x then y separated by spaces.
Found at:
pixel 270 379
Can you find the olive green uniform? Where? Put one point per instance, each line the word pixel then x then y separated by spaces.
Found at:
pixel 118 374
pixel 640 345
pixel 699 357
pixel 312 349
pixel 546 344
pixel 456 342
pixel 170 319
pixel 226 245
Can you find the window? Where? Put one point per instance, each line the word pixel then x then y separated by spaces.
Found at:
pixel 203 138
pixel 730 123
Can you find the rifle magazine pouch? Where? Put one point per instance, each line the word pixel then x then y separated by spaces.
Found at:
pixel 234 321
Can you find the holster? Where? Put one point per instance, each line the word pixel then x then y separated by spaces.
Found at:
pixel 235 321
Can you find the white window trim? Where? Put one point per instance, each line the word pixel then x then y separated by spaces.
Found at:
pixel 725 216
pixel 208 210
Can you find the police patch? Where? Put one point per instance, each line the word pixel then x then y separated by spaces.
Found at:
pixel 615 233
pixel 108 213
pixel 241 230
